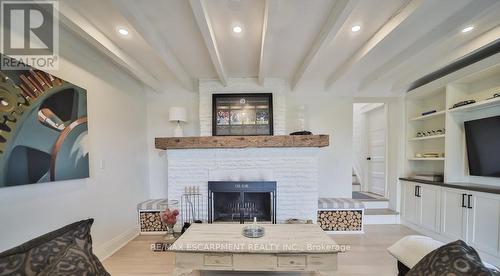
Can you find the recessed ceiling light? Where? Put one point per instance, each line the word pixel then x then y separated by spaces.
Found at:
pixel 237 29
pixel 468 29
pixel 356 28
pixel 123 31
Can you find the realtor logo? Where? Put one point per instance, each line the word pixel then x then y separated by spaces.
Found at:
pixel 29 35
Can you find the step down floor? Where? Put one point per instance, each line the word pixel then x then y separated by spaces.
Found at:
pixel 381 216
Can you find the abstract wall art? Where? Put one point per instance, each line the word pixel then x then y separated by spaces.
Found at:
pixel 43 128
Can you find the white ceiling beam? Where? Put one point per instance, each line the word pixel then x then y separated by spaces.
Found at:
pixel 437 35
pixel 338 15
pixel 131 11
pixel 271 8
pixel 205 25
pixel 491 36
pixel 87 31
pixel 375 40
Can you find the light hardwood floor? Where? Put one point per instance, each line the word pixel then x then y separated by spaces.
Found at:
pixel 367 254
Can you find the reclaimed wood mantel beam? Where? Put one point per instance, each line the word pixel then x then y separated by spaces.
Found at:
pixel 210 142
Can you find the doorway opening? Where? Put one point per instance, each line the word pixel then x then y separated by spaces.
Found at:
pixel 369 166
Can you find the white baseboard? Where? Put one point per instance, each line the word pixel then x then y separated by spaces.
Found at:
pixel 110 247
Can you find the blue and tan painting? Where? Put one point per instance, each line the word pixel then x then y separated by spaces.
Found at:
pixel 43 128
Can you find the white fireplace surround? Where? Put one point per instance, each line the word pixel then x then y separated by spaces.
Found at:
pixel 294 169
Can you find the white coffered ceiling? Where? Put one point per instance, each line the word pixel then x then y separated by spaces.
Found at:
pixel 306 42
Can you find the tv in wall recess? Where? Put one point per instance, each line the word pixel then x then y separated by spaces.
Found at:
pixel 483 146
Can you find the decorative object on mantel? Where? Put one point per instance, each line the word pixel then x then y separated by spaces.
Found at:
pixel 242 114
pixel 177 114
pixel 276 141
pixel 301 118
pixel 169 218
pixel 303 132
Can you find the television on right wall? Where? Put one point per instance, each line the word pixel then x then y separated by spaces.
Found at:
pixel 483 146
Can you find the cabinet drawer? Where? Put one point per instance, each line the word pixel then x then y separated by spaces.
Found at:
pixel 218 260
pixel 291 261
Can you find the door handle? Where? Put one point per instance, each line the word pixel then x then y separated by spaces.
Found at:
pixel 468 201
pixel 463 200
pixel 418 191
pixel 368 158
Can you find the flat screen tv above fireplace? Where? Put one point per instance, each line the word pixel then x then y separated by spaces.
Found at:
pixel 242 114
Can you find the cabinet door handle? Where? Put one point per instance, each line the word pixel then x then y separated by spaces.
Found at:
pixel 418 191
pixel 468 201
pixel 463 200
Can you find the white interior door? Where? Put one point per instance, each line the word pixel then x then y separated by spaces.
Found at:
pixel 376 160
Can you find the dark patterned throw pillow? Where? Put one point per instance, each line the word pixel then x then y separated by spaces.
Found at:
pixel 65 251
pixel 452 259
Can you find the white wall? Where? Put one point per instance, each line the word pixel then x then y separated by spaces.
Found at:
pixel 159 126
pixel 327 114
pixel 117 132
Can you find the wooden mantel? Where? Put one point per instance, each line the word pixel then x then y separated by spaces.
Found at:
pixel 210 142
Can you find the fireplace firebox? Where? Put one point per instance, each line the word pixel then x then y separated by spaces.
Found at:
pixel 241 201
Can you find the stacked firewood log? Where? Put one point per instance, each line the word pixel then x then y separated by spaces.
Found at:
pixel 151 221
pixel 340 220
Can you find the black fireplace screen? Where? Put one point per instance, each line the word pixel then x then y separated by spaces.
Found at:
pixel 242 201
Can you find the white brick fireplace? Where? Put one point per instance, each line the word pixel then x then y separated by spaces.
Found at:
pixel 294 169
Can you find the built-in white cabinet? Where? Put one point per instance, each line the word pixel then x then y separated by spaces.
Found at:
pixel 451 214
pixel 421 205
pixel 430 197
pixel 483 222
pixel 410 199
pixel 473 217
pixel 454 214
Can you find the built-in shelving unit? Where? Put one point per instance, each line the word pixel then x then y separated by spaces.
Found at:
pixel 425 159
pixel 429 116
pixel 489 103
pixel 427 137
pixel 417 104
pixel 479 84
